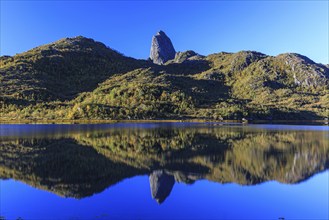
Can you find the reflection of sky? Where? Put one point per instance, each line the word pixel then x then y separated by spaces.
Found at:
pixel 290 127
pixel 7 130
pixel 202 200
pixel 43 129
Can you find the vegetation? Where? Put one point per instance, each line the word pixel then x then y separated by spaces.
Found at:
pixel 78 78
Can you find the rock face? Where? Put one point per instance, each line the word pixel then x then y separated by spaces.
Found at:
pixel 162 49
pixel 243 59
pixel 181 57
pixel 161 184
pixel 305 72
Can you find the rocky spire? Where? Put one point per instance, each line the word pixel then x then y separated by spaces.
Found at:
pixel 162 49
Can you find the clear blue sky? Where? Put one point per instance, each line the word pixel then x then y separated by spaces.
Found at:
pixel 271 27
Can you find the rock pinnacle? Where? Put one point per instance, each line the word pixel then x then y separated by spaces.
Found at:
pixel 162 49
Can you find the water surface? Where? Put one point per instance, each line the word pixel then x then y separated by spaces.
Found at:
pixel 164 171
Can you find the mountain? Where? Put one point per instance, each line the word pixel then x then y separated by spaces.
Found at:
pixel 61 70
pixel 79 78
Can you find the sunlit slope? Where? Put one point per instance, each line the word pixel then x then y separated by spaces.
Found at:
pixel 79 78
pixel 60 70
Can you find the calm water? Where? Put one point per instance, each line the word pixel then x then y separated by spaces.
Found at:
pixel 164 171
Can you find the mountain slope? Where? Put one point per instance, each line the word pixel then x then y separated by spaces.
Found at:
pixel 246 84
pixel 61 70
pixel 79 78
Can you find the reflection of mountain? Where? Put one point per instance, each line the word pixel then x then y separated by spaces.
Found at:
pixel 61 166
pixel 81 164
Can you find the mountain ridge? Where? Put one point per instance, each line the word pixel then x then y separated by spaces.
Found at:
pixel 68 79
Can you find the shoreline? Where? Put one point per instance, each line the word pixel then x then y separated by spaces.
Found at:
pixel 66 121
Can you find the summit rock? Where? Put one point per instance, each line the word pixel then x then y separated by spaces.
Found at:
pixel 162 49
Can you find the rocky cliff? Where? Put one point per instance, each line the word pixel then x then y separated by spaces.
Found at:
pixel 162 49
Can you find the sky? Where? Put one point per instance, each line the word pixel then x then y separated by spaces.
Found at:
pixel 270 27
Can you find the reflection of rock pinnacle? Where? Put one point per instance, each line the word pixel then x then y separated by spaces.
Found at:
pixel 161 185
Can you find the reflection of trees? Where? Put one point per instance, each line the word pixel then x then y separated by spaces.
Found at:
pixel 288 157
pixel 61 166
pixel 80 164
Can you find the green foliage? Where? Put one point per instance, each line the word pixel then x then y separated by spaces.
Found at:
pixel 78 78
pixel 61 70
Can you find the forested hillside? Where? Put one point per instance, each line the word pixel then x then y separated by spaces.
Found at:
pixel 79 78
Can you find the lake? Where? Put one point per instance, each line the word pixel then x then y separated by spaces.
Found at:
pixel 164 171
